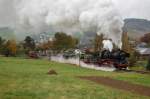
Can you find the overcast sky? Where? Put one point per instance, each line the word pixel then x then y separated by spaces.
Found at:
pixel 133 8
pixel 7 13
pixel 127 8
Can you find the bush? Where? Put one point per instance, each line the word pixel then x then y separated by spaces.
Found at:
pixel 132 59
pixel 148 64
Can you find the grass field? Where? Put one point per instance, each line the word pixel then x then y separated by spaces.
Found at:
pixel 28 79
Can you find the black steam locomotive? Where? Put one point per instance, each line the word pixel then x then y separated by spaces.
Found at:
pixel 117 58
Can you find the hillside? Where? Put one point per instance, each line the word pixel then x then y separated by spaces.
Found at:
pixel 7 33
pixel 136 27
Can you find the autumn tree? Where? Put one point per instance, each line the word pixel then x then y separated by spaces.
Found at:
pixel 64 42
pixel 127 48
pixel 146 38
pixel 125 43
pixel 46 45
pixel 10 48
pixel 98 42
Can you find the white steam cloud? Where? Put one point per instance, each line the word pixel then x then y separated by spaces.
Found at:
pixel 107 44
pixel 75 61
pixel 69 16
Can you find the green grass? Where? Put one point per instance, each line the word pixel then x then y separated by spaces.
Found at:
pixel 140 65
pixel 28 79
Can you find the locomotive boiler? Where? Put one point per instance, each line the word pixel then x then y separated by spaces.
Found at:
pixel 116 58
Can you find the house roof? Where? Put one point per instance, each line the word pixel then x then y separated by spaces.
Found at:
pixel 144 51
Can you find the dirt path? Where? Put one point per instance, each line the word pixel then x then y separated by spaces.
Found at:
pixel 135 71
pixel 118 84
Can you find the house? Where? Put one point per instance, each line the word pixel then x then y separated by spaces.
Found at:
pixel 144 53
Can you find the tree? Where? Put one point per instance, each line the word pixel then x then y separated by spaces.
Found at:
pixel 64 42
pixel 20 49
pixel 29 43
pixel 146 38
pixel 10 48
pixel 148 64
pixel 45 45
pixel 98 42
pixel 125 43
pixel 127 48
pixel 2 41
pixel 133 58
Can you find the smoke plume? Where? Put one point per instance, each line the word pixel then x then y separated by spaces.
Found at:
pixel 75 61
pixel 70 16
pixel 107 44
